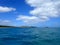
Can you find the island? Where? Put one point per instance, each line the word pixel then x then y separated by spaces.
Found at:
pixel 4 26
pixel 28 27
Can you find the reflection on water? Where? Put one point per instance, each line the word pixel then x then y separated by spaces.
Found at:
pixel 30 36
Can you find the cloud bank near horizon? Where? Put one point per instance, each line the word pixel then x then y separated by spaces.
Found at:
pixel 5 22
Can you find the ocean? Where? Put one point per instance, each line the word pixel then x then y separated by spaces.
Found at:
pixel 29 36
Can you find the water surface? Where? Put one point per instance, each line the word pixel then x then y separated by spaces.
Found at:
pixel 29 36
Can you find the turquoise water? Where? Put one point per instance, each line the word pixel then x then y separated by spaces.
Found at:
pixel 29 36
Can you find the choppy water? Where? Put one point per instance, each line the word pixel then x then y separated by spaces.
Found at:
pixel 29 36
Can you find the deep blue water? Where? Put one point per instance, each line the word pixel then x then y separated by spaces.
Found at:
pixel 29 36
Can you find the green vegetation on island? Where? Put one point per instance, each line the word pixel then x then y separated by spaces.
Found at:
pixel 3 26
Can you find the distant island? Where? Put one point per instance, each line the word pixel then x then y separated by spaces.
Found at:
pixel 3 26
pixel 28 27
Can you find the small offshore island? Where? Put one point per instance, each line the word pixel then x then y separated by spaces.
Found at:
pixel 3 26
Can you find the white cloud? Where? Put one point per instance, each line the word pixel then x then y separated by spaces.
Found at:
pixel 37 3
pixel 43 11
pixel 31 19
pixel 6 9
pixel 5 22
pixel 48 8
pixel 27 19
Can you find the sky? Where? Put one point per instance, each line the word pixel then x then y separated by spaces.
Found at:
pixel 41 13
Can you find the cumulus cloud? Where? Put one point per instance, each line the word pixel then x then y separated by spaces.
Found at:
pixel 39 3
pixel 5 22
pixel 42 11
pixel 6 9
pixel 48 8
pixel 28 19
pixel 31 19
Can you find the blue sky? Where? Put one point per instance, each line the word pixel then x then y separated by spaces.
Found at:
pixel 41 13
